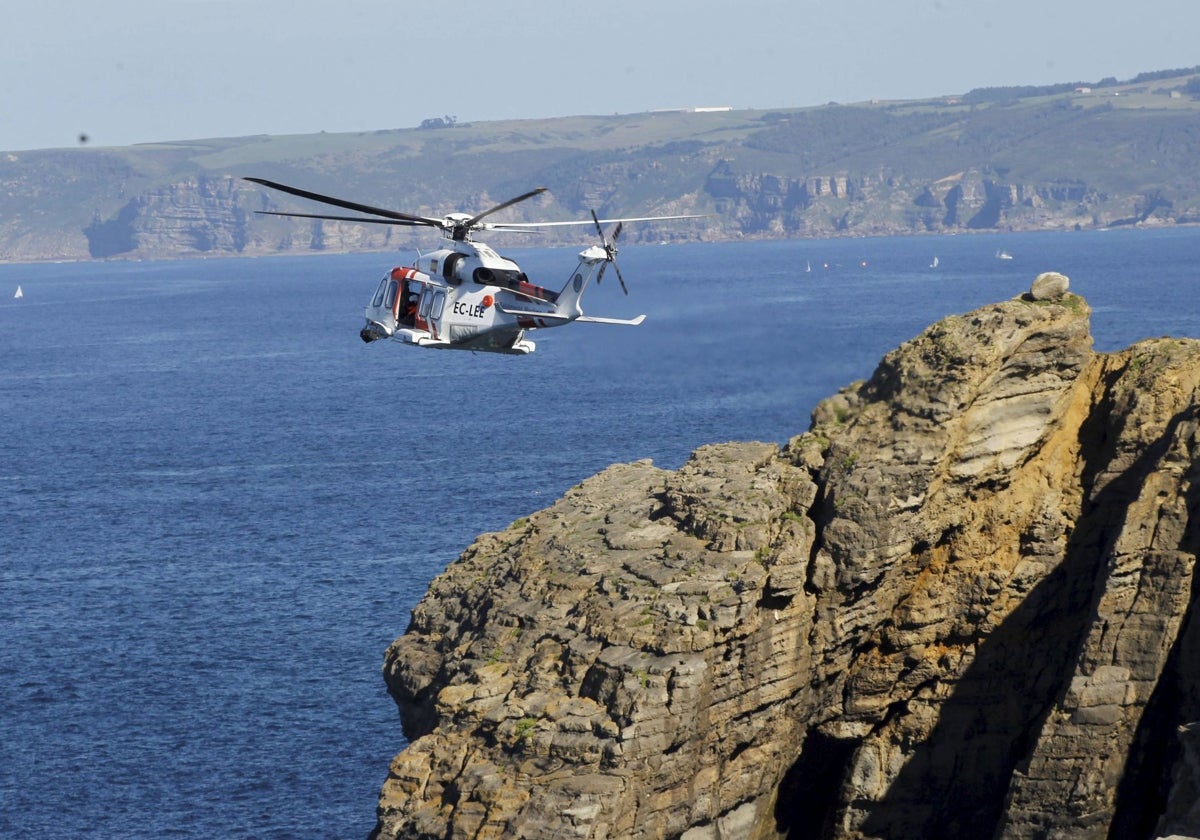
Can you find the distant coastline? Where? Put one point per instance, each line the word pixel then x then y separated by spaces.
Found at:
pixel 1075 156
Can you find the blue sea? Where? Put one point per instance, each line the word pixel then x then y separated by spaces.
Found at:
pixel 219 506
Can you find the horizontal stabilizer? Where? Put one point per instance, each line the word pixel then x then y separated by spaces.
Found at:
pixel 630 322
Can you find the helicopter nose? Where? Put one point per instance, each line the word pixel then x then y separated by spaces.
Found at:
pixel 371 332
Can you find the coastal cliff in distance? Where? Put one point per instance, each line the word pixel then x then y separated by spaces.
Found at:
pixel 963 604
pixel 1058 157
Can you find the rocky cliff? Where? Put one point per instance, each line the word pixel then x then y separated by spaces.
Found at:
pixel 764 205
pixel 961 605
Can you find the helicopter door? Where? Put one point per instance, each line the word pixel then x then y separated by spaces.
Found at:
pixel 405 307
pixel 429 310
pixel 381 311
pixel 391 298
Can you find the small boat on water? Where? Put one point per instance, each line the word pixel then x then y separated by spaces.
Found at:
pixel 19 294
pixel 1003 255
pixel 934 264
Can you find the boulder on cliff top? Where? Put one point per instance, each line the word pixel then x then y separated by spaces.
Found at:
pixel 1049 285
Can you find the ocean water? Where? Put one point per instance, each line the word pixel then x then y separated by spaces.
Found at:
pixel 219 506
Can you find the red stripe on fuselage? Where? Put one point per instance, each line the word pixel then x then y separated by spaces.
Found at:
pixel 527 288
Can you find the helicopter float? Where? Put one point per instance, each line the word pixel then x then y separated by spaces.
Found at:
pixel 465 296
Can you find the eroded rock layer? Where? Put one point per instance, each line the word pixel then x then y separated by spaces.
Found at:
pixel 960 605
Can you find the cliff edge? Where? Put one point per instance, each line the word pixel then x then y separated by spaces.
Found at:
pixel 960 605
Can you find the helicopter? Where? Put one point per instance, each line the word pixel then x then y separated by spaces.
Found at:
pixel 465 296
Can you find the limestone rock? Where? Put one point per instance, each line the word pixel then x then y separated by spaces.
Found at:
pixel 961 604
pixel 1049 285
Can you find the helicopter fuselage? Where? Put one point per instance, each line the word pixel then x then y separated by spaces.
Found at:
pixel 465 296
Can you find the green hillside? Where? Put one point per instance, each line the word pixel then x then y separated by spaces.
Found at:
pixel 1064 156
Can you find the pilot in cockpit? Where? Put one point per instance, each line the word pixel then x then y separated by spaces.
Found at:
pixel 408 303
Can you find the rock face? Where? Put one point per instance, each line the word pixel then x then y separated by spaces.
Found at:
pixel 961 605
pixel 208 216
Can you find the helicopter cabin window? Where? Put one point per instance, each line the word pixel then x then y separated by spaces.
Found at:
pixel 390 298
pixel 379 293
pixel 432 304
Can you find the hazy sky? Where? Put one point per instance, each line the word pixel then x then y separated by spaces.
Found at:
pixel 135 71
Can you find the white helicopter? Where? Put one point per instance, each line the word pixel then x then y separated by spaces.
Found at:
pixel 465 296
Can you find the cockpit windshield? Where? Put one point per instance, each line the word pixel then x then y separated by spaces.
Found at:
pixel 377 301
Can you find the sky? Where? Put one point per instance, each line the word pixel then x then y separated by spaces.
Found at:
pixel 120 72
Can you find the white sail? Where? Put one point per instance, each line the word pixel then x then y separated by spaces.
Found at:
pixel 19 294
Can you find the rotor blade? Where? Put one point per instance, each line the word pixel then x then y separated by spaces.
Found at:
pixel 602 221
pixel 342 218
pixel 599 230
pixel 529 297
pixel 471 221
pixel 600 275
pixel 349 205
pixel 510 229
pixel 619 277
pixel 616 233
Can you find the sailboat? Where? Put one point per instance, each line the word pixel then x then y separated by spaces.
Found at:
pixel 807 266
pixel 934 264
pixel 19 293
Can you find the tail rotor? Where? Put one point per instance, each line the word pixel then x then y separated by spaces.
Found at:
pixel 610 251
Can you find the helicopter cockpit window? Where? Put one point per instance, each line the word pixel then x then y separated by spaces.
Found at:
pixel 390 299
pixel 383 284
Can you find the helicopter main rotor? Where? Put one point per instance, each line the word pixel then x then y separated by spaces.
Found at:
pixel 457 226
